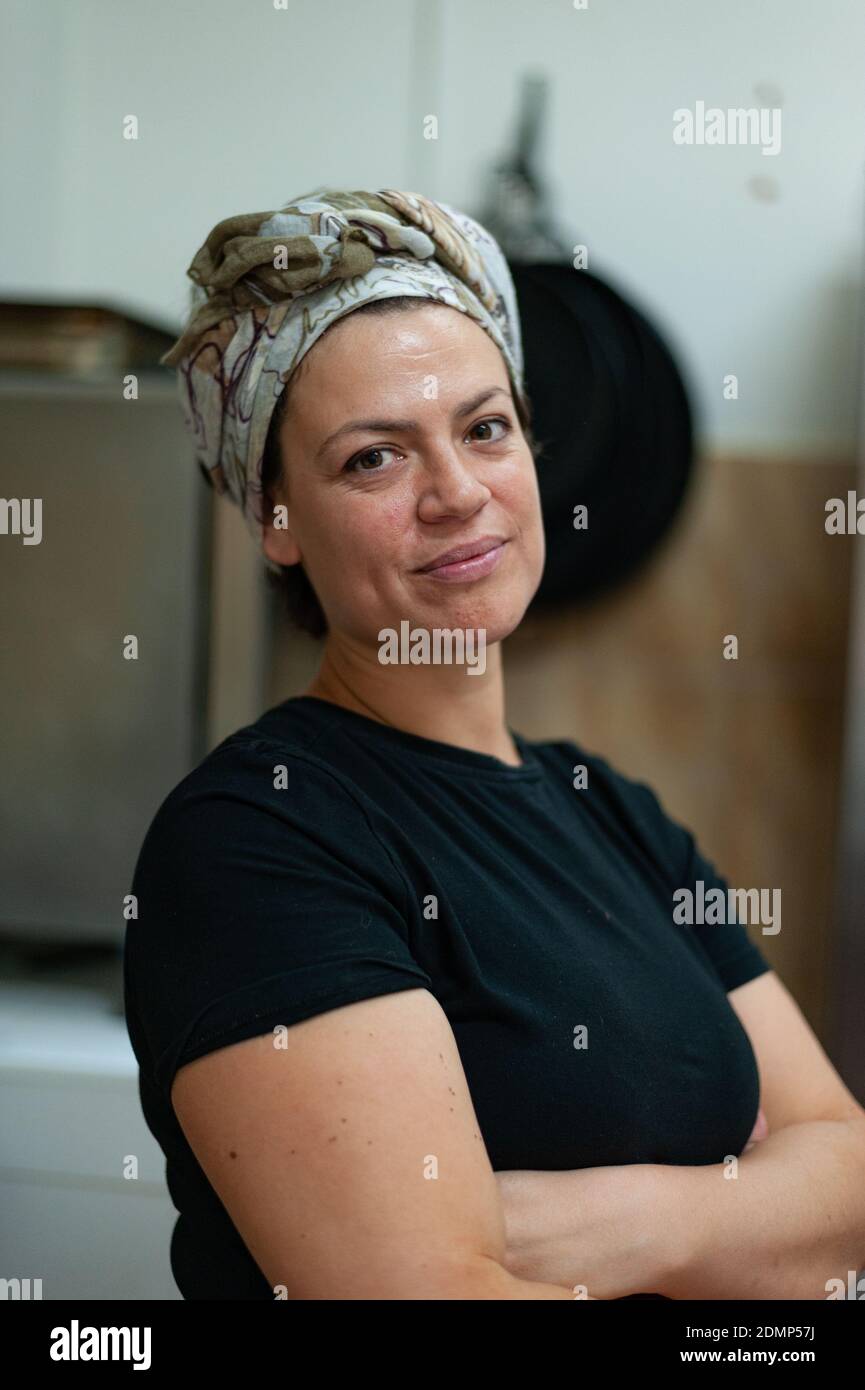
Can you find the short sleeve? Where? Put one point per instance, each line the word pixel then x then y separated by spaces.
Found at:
pixel 259 905
pixel 735 957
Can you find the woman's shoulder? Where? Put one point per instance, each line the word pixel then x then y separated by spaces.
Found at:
pixel 623 799
pixel 588 767
pixel 261 896
pixel 256 785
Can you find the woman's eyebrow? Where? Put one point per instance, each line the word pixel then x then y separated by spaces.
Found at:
pixel 465 408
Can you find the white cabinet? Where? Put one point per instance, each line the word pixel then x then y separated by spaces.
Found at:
pixel 70 1119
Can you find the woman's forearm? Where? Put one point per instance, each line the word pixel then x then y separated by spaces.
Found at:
pixel 606 1229
pixel 790 1222
pixel 487 1279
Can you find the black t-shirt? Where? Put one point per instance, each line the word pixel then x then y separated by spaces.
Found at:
pixel 317 857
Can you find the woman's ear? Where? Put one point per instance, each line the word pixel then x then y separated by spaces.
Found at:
pixel 277 538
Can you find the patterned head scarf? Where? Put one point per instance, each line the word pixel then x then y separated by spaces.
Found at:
pixel 268 284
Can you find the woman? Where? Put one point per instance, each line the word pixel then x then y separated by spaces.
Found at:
pixel 413 1015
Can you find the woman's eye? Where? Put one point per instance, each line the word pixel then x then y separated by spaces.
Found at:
pixel 351 466
pixel 487 425
pixel 373 456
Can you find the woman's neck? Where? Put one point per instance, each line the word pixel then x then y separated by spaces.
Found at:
pixel 421 704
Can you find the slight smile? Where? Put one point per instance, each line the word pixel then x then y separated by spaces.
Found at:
pixel 475 567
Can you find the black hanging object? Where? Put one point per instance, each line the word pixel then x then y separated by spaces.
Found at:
pixel 611 409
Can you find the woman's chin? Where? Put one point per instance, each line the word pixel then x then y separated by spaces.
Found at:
pixel 496 613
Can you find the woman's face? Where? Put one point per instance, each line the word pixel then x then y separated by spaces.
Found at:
pixel 401 442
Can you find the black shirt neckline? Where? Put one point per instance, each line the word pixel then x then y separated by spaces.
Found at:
pixel 466 758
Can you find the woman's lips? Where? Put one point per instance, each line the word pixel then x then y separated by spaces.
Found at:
pixel 474 568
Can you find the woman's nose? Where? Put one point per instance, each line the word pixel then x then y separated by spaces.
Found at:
pixel 449 483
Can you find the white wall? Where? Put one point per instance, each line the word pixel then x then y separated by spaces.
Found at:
pixel 242 106
pixel 768 290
